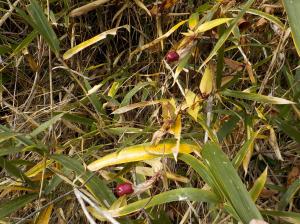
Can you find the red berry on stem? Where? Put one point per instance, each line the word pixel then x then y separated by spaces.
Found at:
pixel 124 188
pixel 172 56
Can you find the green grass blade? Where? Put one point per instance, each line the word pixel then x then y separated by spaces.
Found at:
pixel 96 186
pixel 183 194
pixel 288 196
pixel 227 33
pixel 13 170
pixel 227 127
pixel 132 92
pixel 201 170
pixel 290 217
pixel 292 8
pixel 240 156
pixel 42 25
pixel 255 97
pixel 230 183
pixel 288 129
pixel 46 125
pixel 13 205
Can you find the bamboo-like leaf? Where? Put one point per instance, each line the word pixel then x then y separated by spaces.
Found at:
pixel 24 43
pixel 228 181
pixel 13 205
pixel 46 125
pixel 288 196
pixel 227 33
pixel 42 25
pixel 240 156
pixel 201 169
pixel 267 16
pixel 132 92
pixel 206 84
pixel 130 107
pixel 139 153
pixel 96 186
pixel 292 8
pixel 192 103
pixel 258 185
pixel 156 41
pixel 13 170
pixel 290 217
pixel 182 194
pixel 45 215
pixel 69 53
pixel 193 20
pixel 211 24
pixel 86 8
pixel 256 97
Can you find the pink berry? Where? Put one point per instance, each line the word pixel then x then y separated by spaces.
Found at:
pixel 124 188
pixel 172 56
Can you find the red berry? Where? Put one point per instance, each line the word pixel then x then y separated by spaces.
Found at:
pixel 124 188
pixel 172 56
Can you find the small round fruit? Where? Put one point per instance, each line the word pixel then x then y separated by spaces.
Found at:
pixel 124 189
pixel 172 56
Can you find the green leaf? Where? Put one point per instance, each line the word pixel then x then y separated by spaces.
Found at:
pixel 255 97
pixel 290 130
pixel 292 8
pixel 24 43
pixel 132 92
pixel 13 170
pixel 13 205
pixel 227 127
pixel 201 169
pixel 41 24
pixel 46 125
pixel 182 194
pixel 229 183
pixel 226 34
pixel 291 217
pixel 288 196
pixel 96 186
pixel 240 156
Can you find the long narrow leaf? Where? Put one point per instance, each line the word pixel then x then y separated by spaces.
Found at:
pixel 230 183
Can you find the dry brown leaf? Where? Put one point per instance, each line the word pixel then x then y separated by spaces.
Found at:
pixel 167 4
pixel 293 175
pixel 86 8
pixel 234 65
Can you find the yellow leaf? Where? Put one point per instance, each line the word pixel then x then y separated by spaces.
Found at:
pixel 156 41
pixel 193 20
pixel 69 53
pixel 176 131
pixel 192 102
pixel 139 153
pixel 38 168
pixel 247 158
pixel 45 215
pixel 206 84
pixel 86 8
pixel 211 24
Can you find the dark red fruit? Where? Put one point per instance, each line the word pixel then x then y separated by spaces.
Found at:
pixel 172 56
pixel 122 189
